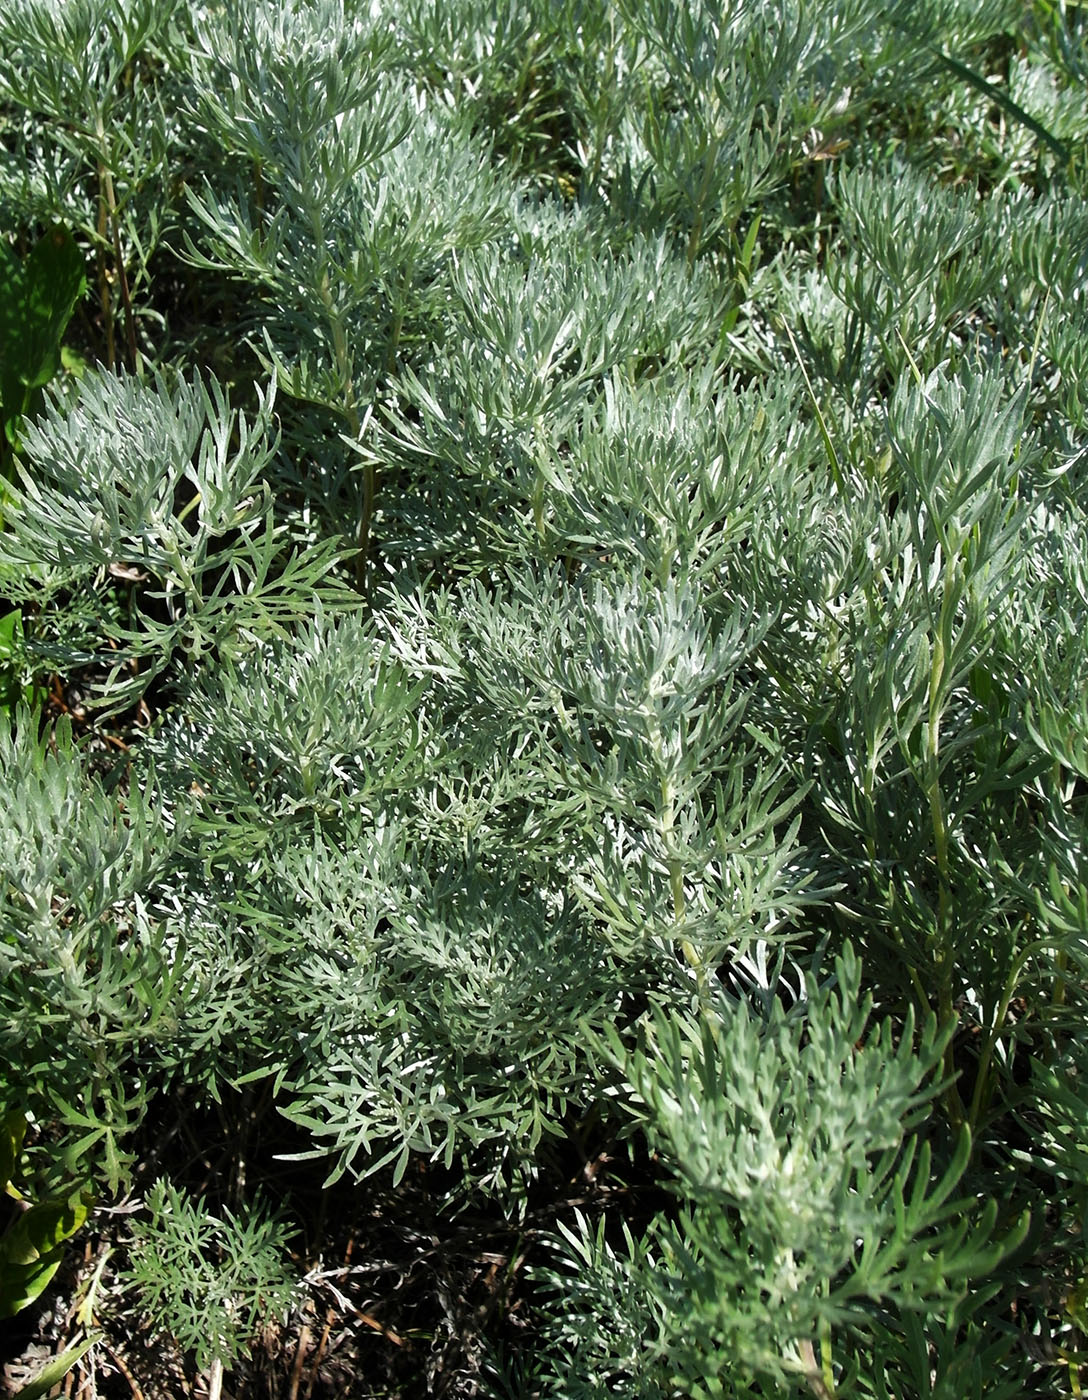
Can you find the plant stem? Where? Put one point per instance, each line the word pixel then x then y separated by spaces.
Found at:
pixel 105 295
pixel 814 1376
pixel 109 227
pixel 696 235
pixel 674 863
pixel 350 411
pixel 981 1094
pixel 946 1011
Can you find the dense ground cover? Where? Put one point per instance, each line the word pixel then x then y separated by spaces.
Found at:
pixel 543 598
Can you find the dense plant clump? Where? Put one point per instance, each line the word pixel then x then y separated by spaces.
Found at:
pixel 544 670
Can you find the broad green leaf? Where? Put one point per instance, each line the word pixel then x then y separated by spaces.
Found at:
pixel 39 1230
pixel 14 1127
pixel 37 298
pixel 11 637
pixel 21 1284
pixel 32 1249
pixel 55 1370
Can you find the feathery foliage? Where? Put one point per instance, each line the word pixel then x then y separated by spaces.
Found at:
pixel 544 638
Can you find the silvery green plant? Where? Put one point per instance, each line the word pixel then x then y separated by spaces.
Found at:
pixel 418 826
pixel 810 1210
pixel 911 280
pixel 91 980
pixel 143 480
pixel 541 333
pixel 337 224
pixel 87 88
pixel 574 634
pixel 210 1281
pixel 716 132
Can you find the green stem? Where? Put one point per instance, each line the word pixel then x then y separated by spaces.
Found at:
pixel 105 295
pixel 696 235
pixel 826 1357
pixel 813 1373
pixel 350 411
pixel 396 326
pixel 945 1008
pixel 604 111
pixel 675 866
pixel 109 226
pixel 711 160
pixel 191 593
pixel 981 1095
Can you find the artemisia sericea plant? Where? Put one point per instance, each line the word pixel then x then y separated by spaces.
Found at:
pixel 543 615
